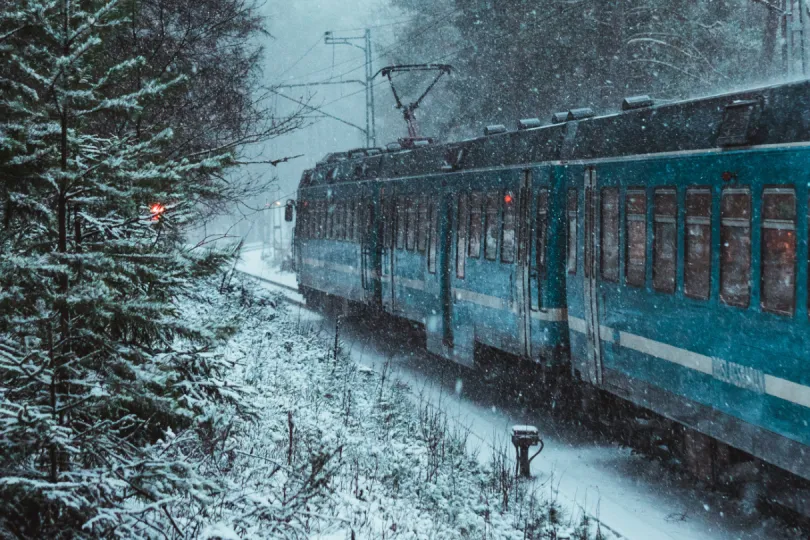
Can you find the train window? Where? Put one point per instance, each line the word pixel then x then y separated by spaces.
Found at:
pixel 323 217
pixel 323 229
pixel 365 215
pixel 314 219
pixel 330 221
pixel 327 219
pixel 665 239
pixel 461 237
pixel 491 230
pixel 358 220
pixel 340 226
pixel 735 246
pixel 351 218
pixel 433 241
pixel 422 225
pixel 340 221
pixel 400 221
pixel 636 244
pixel 411 233
pixel 344 221
pixel 698 248
pixel 476 226
pixel 508 235
pixel 571 240
pixel 609 231
pixel 541 228
pixel 301 221
pixel 354 227
pixel 388 219
pixel 348 211
pixel 779 249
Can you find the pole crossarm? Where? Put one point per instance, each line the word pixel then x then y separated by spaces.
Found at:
pixel 343 41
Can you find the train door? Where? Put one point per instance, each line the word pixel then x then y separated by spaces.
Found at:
pixel 371 259
pixel 522 281
pixel 446 227
pixel 388 247
pixel 590 285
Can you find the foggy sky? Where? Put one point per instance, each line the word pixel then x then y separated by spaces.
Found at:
pixel 298 26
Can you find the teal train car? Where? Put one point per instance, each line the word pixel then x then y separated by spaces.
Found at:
pixel 658 255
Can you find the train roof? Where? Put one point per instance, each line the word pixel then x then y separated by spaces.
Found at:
pixel 777 114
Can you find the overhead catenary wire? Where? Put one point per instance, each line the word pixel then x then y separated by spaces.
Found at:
pixel 316 109
pixel 419 32
pixel 459 50
pixel 309 50
pixel 374 85
pixel 385 50
pixel 397 44
pixel 563 11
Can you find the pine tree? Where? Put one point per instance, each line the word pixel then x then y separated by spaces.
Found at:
pixel 96 366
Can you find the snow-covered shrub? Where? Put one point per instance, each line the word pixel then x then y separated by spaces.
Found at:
pixel 337 450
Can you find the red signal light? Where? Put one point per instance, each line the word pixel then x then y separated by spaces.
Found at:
pixel 507 199
pixel 157 209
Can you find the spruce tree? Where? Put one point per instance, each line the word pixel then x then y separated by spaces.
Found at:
pixel 95 363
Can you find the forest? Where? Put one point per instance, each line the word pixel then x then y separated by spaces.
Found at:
pixel 519 59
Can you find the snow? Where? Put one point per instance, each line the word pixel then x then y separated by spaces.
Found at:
pixel 326 449
pixel 632 496
pixel 253 259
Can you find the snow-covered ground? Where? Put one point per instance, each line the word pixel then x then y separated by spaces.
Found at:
pixel 629 494
pixel 327 449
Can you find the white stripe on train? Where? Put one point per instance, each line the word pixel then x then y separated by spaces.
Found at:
pixel 750 379
pixel 742 376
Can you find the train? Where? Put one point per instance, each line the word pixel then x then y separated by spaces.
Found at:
pixel 657 255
